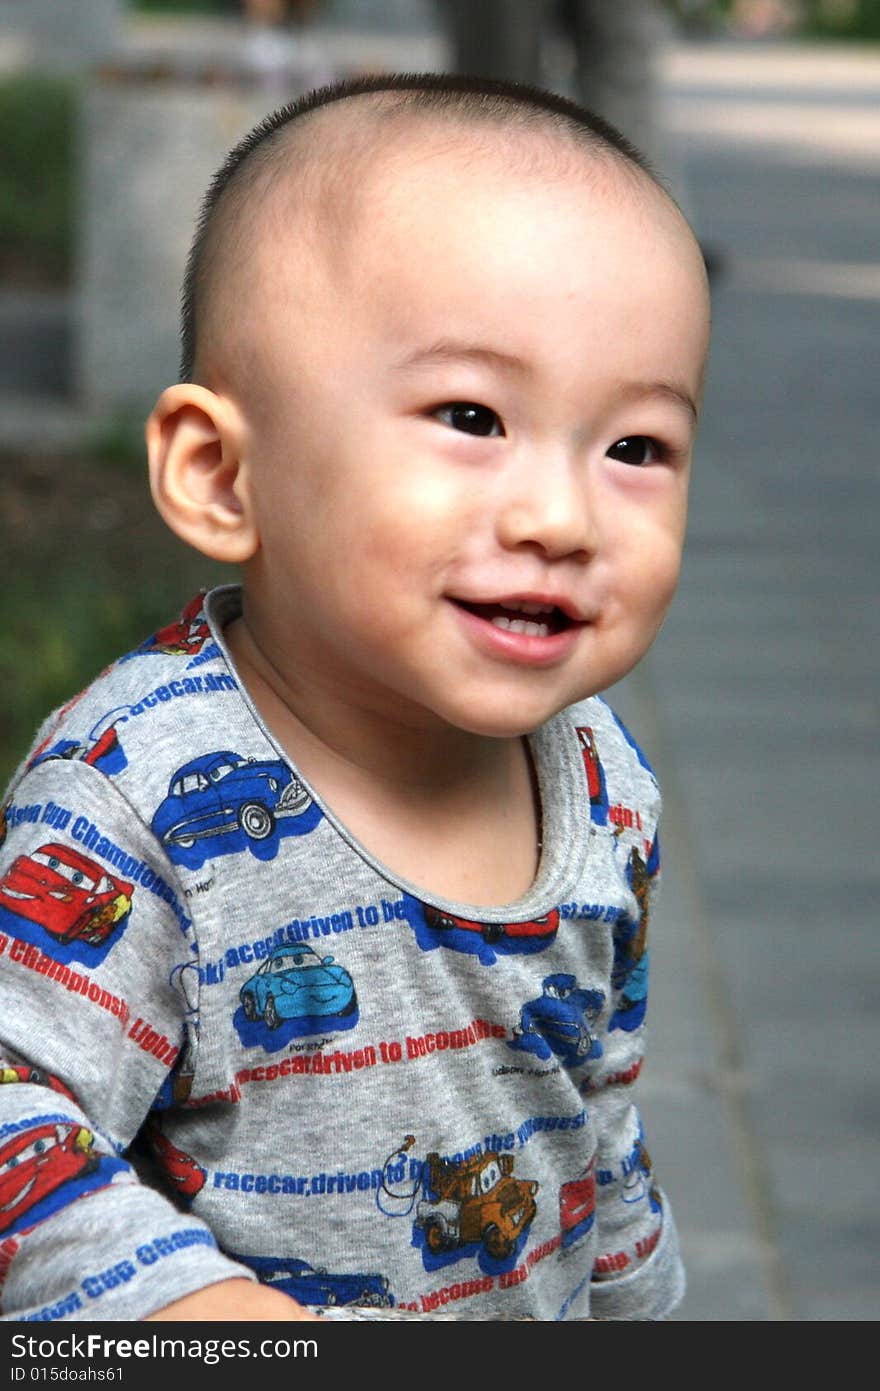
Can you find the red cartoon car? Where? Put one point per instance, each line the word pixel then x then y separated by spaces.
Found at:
pixel 66 893
pixel 94 752
pixel 178 1167
pixel 22 1072
pixel 494 932
pixel 37 1162
pixel 186 636
pixel 577 1204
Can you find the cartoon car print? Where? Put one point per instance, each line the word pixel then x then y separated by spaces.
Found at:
pixel 185 636
pixel 11 1073
pixel 595 775
pixel 222 793
pixel 491 933
pixel 638 1180
pixel 180 1170
pixel 67 894
pixel 560 1020
pixel 577 1205
pixel 100 751
pixel 294 982
pixel 476 1200
pixel 37 1162
pixel 311 1285
pixel 629 973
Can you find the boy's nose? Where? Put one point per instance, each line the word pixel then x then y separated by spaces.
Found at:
pixel 547 506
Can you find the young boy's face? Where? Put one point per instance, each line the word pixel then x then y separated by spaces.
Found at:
pixel 470 461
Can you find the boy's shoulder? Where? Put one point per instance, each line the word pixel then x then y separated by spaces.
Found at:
pixel 595 720
pixel 621 780
pixel 112 724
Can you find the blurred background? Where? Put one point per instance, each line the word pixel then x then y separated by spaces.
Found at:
pixel 759 703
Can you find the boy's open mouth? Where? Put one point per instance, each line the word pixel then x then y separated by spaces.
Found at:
pixel 519 616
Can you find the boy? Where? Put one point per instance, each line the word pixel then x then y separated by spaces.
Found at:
pixel 335 892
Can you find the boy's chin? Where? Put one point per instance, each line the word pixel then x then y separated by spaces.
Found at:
pixel 506 722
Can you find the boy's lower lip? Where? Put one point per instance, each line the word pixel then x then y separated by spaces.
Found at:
pixel 523 648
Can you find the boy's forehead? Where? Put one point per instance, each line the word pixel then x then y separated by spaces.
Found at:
pixel 350 197
pixel 357 164
pixel 360 196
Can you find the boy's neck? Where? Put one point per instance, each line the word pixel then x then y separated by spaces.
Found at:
pixel 455 812
pixel 317 722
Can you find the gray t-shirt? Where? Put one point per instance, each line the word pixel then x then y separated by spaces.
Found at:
pixel 231 1038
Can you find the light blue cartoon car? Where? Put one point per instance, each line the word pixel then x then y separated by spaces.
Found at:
pixel 294 982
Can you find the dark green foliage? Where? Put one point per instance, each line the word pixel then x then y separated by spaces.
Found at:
pixel 89 570
pixel 859 20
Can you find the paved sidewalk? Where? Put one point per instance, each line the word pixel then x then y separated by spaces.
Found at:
pixel 759 707
pixel 706 1153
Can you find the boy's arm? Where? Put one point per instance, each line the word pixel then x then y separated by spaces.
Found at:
pixel 93 930
pixel 80 1236
pixel 638 1272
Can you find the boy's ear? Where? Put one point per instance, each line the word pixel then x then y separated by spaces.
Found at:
pixel 198 475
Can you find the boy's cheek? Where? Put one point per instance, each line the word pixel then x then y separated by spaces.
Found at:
pixel 664 574
pixel 649 590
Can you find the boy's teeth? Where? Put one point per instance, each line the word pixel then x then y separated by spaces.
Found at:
pixel 527 608
pixel 522 625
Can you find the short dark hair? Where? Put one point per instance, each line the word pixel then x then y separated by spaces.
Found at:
pixel 473 98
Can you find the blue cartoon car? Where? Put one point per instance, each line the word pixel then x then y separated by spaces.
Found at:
pixel 560 1021
pixel 294 982
pixel 317 1286
pixel 221 802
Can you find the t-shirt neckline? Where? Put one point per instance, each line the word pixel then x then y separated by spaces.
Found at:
pixel 562 788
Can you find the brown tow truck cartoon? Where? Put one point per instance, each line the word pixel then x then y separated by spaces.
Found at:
pixel 475 1200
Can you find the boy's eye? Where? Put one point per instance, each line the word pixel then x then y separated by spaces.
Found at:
pixel 470 417
pixel 636 449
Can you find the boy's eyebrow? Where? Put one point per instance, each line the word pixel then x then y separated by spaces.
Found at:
pixel 453 350
pixel 639 390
